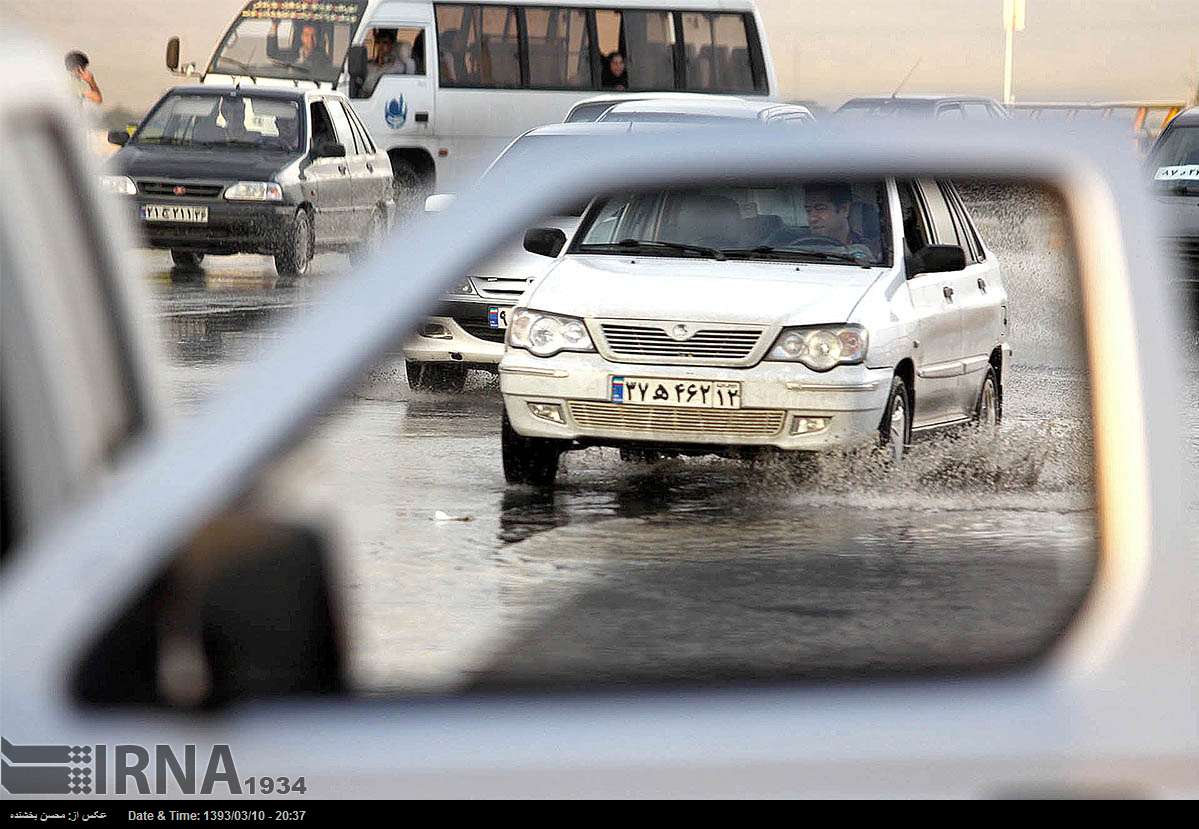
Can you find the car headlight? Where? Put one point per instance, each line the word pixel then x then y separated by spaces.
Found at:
pixel 547 334
pixel 121 185
pixel 254 191
pixel 820 348
pixel 463 288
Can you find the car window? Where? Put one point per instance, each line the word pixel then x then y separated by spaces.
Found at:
pixel 977 110
pixel 965 227
pixel 392 50
pixel 341 126
pixel 361 140
pixel 322 125
pixel 915 232
pixel 588 112
pixel 944 230
pixel 950 112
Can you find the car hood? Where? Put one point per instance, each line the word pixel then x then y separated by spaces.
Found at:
pixel 168 162
pixel 762 293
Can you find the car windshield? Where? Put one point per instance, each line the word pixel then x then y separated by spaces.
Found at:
pixel 299 41
pixel 232 120
pixel 834 222
pixel 1176 157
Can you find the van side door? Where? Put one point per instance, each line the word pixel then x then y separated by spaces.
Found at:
pixel 397 101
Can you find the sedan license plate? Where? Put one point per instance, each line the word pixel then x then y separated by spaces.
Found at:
pixel 497 317
pixel 174 213
pixel 688 394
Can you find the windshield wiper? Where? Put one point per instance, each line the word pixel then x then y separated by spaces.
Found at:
pixel 243 67
pixel 797 255
pixel 649 244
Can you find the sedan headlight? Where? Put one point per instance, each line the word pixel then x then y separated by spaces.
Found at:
pixel 254 191
pixel 547 334
pixel 121 185
pixel 821 348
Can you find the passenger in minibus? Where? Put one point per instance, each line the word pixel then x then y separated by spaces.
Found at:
pixel 615 75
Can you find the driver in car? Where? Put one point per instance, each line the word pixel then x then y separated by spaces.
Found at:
pixel 308 54
pixel 828 215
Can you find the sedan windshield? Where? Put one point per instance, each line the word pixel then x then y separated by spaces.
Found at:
pixel 1176 157
pixel 229 120
pixel 836 222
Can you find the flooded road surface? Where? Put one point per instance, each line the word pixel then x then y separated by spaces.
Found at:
pixel 975 552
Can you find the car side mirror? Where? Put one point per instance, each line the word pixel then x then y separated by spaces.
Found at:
pixel 173 54
pixel 545 241
pixel 439 202
pixel 329 149
pixel 936 259
pixel 356 65
pixel 118 137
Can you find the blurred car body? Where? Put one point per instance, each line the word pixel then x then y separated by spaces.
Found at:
pixel 683 111
pixel 1111 711
pixel 285 172
pixel 948 107
pixel 1144 120
pixel 708 322
pixel 592 109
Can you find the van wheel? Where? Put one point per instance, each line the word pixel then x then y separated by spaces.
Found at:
pixel 895 429
pixel 988 412
pixel 186 260
pixel 532 461
pixel 408 186
pixel 293 258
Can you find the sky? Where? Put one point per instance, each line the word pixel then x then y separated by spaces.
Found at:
pixel 823 51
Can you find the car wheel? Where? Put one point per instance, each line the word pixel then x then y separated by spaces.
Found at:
pixel 895 429
pixel 415 372
pixel 532 461
pixel 988 413
pixel 443 377
pixel 296 253
pixel 186 260
pixel 630 454
pixel 409 188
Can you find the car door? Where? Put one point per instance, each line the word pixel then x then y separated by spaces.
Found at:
pixel 371 174
pixel 938 356
pixel 328 183
pixel 979 295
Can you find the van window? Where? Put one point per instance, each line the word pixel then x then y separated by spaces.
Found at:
pixel 645 39
pixel 717 52
pixel 559 45
pixel 393 51
pixel 478 45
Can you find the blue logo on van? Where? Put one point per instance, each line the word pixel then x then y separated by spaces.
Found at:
pixel 396 113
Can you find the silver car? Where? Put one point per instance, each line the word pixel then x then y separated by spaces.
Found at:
pixel 801 316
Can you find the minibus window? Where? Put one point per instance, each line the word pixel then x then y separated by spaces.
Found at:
pixel 478 45
pixel 646 41
pixel 717 52
pixel 559 48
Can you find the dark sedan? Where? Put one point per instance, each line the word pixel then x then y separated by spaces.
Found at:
pixel 282 172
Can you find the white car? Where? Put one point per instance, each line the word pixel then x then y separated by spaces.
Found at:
pixel 709 109
pixel 799 316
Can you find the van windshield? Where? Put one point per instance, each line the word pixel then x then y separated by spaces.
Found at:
pixel 281 39
pixel 835 222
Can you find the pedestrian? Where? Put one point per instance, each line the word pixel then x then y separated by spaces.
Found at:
pixel 85 82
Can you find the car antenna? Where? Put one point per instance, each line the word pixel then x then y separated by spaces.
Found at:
pixel 906 77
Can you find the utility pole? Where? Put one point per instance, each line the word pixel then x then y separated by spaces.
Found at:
pixel 1013 21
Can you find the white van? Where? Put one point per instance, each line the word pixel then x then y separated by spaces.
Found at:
pixel 444 87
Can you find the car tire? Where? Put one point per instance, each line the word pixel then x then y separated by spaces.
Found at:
pixel 530 461
pixel 293 258
pixel 988 412
pixel 895 429
pixel 409 187
pixel 186 260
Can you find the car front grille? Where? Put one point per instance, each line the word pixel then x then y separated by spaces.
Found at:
pixel 663 420
pixel 192 190
pixel 480 328
pixel 656 342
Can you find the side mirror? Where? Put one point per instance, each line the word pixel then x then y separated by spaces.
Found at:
pixel 173 54
pixel 936 259
pixel 118 137
pixel 330 149
pixel 356 64
pixel 545 241
pixel 439 202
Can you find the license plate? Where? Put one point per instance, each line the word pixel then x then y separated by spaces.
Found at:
pixel 497 317
pixel 174 213
pixel 688 394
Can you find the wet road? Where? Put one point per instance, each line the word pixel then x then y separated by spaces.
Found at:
pixel 975 552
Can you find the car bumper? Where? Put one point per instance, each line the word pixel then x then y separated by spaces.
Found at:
pixel 774 397
pixel 460 333
pixel 231 228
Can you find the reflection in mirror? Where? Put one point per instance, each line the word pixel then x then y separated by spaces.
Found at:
pixel 735 442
